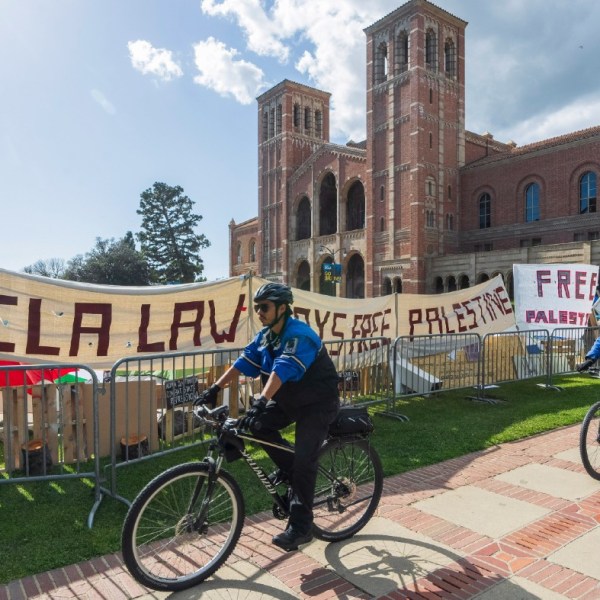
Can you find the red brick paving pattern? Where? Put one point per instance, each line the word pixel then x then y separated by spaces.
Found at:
pixel 486 562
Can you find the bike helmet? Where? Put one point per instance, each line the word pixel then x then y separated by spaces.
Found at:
pixel 276 292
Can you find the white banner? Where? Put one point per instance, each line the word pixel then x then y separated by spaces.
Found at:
pixel 50 320
pixel 554 296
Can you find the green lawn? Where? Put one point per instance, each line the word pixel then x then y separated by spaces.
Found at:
pixel 44 525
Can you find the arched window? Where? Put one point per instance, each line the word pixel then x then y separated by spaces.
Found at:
pixel 463 282
pixel 485 211
pixel 438 284
pixel 587 193
pixel 450 222
pixel 430 49
pixel 265 126
pixel 328 205
pixel 398 285
pixel 401 52
pixel 532 203
pixel 318 124
pixel 303 276
pixel 279 120
pixel 355 215
pixel 307 121
pixel 430 140
pixel 429 218
pixel 450 58
pixel 252 251
pixel 272 123
pixel 382 224
pixel 303 219
pixel 382 193
pixel 296 115
pixel 381 63
pixel 238 253
pixel 451 283
pixel 386 288
pixel 355 277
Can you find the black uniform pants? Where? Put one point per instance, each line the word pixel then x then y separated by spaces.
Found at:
pixel 311 430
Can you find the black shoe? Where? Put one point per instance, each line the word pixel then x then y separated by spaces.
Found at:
pixel 291 538
pixel 278 476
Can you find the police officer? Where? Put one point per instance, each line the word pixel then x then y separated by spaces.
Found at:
pixel 299 386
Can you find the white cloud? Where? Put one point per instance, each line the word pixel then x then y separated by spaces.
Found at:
pixel 222 72
pixel 262 31
pixel 103 102
pixel 153 61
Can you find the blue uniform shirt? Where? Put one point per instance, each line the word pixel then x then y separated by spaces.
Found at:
pixel 290 354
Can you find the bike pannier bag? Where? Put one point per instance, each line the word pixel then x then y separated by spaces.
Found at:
pixel 351 419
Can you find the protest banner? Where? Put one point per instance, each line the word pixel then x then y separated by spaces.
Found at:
pixel 50 320
pixel 554 296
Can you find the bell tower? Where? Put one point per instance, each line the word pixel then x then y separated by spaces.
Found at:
pixel 415 132
pixel 293 121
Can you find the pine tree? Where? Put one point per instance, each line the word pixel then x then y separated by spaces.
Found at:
pixel 167 235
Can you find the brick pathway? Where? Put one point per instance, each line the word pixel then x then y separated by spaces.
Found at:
pixel 409 551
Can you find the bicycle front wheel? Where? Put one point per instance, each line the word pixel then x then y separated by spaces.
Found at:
pixel 182 527
pixel 348 490
pixel 589 441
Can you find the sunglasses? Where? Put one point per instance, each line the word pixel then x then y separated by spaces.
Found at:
pixel 262 307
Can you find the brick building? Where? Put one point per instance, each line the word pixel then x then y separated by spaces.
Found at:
pixel 422 205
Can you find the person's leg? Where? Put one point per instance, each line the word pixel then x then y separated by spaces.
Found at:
pixel 311 431
pixel 267 427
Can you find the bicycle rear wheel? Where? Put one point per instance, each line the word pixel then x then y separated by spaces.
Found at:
pixel 589 441
pixel 348 490
pixel 166 544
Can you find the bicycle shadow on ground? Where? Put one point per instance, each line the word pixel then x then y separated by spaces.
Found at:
pixel 380 563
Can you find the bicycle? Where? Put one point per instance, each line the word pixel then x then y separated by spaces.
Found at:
pixel 589 436
pixel 186 522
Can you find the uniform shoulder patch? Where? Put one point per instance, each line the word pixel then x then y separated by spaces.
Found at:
pixel 291 346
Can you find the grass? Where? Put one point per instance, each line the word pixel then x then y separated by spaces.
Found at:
pixel 44 525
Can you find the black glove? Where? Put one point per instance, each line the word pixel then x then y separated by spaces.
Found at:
pixel 585 365
pixel 254 412
pixel 208 396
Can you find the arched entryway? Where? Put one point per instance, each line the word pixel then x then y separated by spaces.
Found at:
pixel 303 276
pixel 355 277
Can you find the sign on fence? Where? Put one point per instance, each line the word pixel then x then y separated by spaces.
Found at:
pixel 181 391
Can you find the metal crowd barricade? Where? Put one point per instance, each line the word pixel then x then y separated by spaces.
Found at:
pixel 364 377
pixel 50 425
pixel 568 347
pixel 150 409
pixel 429 364
pixel 513 356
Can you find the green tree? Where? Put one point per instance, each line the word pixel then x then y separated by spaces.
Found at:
pixel 110 262
pixel 167 235
pixel 51 267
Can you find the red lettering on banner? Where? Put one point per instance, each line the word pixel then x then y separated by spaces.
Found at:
pixel 563 317
pixel 219 338
pixel 321 322
pixel 568 283
pixel 542 278
pixel 143 345
pixel 196 306
pixel 336 333
pixel 304 312
pixel 8 301
pixel 563 279
pixel 34 328
pixel 103 332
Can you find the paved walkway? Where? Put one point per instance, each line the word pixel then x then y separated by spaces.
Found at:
pixel 518 521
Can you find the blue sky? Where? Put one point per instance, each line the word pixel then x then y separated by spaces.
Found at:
pixel 101 98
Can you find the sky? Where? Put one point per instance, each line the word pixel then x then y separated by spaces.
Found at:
pixel 99 99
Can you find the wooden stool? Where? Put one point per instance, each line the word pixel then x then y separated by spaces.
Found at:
pixel 36 458
pixel 134 447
